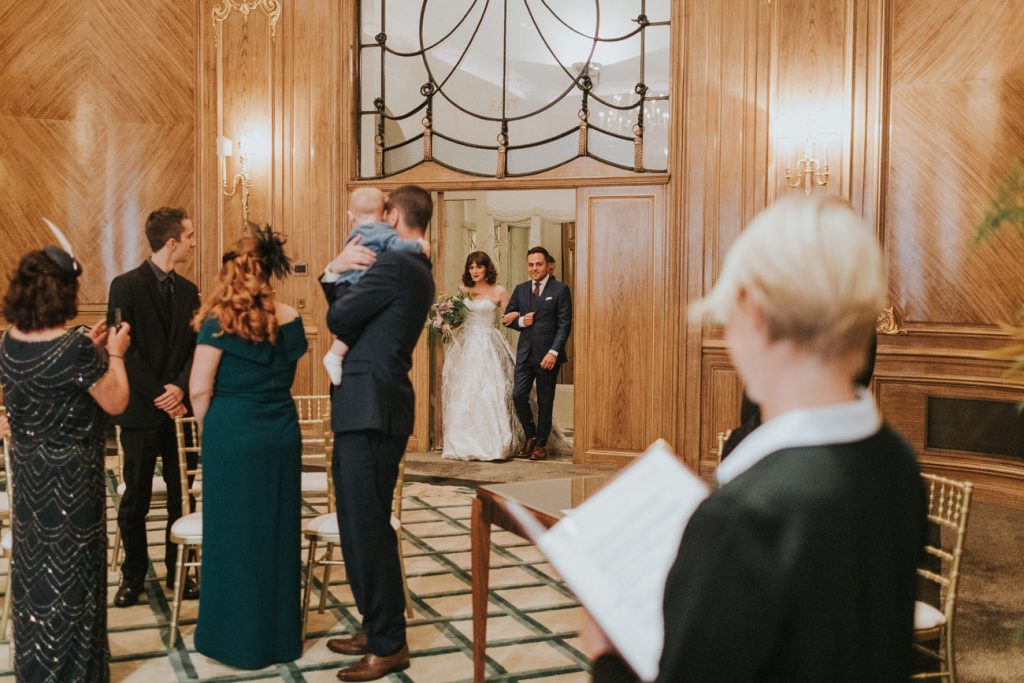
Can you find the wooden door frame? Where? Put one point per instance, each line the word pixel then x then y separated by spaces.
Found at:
pixel 429 402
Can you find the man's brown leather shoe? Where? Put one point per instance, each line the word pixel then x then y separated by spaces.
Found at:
pixel 371 666
pixel 527 450
pixel 352 645
pixel 539 453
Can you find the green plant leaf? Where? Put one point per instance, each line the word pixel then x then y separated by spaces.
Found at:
pixel 1006 207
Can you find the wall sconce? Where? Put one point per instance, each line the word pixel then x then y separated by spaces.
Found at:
pixel 807 172
pixel 241 179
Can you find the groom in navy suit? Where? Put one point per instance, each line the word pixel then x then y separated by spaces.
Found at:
pixel 540 309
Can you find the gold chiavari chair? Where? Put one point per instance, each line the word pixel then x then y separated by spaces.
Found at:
pixel 313 407
pixel 6 542
pixel 948 505
pixel 720 440
pixel 324 529
pixel 187 532
pixel 312 411
pixel 159 495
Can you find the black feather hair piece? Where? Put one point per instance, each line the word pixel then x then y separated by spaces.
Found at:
pixel 270 250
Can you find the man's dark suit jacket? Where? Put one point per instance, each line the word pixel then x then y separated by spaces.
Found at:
pixel 161 349
pixel 552 320
pixel 803 568
pixel 381 318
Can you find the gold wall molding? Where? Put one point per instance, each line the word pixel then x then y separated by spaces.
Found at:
pixel 889 322
pixel 221 12
pixel 245 111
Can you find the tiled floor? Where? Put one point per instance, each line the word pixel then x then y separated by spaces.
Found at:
pixel 532 622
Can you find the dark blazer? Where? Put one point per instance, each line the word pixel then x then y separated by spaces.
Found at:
pixel 381 318
pixel 162 347
pixel 552 320
pixel 803 568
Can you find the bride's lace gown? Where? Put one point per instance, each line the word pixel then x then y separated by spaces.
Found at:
pixel 476 390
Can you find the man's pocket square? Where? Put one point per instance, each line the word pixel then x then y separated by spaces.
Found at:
pixel 549 298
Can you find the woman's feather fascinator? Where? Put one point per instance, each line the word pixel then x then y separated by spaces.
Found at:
pixel 270 251
pixel 64 255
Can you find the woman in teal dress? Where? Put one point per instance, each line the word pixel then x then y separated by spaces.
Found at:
pixel 247 348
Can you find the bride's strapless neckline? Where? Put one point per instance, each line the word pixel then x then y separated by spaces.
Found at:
pixel 483 298
pixel 481 312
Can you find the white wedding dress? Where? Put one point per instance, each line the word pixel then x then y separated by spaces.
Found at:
pixel 476 390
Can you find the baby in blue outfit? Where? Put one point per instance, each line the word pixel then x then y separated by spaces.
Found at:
pixel 366 213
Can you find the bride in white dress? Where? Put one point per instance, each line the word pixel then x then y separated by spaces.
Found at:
pixel 476 383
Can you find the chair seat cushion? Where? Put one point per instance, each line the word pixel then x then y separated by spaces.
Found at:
pixel 314 482
pixel 327 524
pixel 323 525
pixel 159 487
pixel 190 525
pixel 927 617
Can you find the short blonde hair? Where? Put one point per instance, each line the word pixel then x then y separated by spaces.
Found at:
pixel 365 202
pixel 815 270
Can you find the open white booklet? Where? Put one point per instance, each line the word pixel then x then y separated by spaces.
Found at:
pixel 615 550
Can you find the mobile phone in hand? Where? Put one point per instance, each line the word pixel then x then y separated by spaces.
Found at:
pixel 114 318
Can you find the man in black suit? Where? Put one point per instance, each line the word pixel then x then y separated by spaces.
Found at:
pixel 540 309
pixel 381 318
pixel 158 304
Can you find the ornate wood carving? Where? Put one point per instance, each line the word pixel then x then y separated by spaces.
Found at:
pixel 889 322
pixel 220 13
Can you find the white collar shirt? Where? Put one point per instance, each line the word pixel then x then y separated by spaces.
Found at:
pixel 543 284
pixel 846 422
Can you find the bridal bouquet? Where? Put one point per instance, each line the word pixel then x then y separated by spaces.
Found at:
pixel 447 315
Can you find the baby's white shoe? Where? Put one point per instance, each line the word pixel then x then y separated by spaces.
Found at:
pixel 333 365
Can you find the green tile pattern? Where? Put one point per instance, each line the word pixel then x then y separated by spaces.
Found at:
pixel 523 598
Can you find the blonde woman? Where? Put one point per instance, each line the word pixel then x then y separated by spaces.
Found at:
pixel 241 380
pixel 801 566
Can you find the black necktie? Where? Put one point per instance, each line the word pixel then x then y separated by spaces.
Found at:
pixel 167 292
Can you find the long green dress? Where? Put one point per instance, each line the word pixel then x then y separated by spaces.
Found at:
pixel 249 611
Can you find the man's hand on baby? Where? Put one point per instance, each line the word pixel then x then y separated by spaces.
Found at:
pixel 353 257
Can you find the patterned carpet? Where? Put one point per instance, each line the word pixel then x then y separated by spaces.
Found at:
pixel 532 621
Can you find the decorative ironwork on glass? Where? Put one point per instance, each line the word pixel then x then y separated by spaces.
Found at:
pixel 505 88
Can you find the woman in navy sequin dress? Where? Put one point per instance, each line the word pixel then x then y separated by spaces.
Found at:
pixel 58 384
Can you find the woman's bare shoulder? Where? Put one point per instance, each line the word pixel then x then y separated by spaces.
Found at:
pixel 284 313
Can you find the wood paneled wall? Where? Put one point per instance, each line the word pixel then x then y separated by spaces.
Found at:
pixel 867 68
pixel 925 98
pixel 110 108
pixel 97 128
pixel 956 127
pixel 274 84
pixel 623 337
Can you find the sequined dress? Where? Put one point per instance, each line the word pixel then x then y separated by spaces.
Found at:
pixel 59 559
